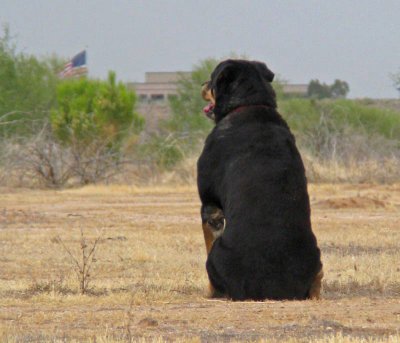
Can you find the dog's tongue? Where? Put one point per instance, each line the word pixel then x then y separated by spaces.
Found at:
pixel 208 108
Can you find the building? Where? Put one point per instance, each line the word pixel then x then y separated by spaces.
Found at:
pixel 158 86
pixel 295 90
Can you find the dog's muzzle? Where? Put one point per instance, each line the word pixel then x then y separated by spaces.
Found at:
pixel 209 108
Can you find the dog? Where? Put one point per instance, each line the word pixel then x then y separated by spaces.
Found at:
pixel 251 180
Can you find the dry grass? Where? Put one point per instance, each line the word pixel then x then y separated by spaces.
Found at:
pixel 373 170
pixel 149 282
pixel 333 170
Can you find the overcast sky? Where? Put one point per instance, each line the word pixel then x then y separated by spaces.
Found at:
pixel 353 40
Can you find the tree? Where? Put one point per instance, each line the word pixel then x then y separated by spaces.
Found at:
pixel 93 109
pixel 339 89
pixel 94 118
pixel 187 106
pixel 396 80
pixel 316 90
pixel 27 87
pixel 181 133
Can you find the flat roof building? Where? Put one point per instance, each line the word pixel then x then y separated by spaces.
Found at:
pixel 158 86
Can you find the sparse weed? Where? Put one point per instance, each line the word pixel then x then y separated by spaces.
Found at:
pixel 82 265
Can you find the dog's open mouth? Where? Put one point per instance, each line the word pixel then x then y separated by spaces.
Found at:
pixel 209 110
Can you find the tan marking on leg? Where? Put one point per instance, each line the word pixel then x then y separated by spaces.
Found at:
pixel 315 290
pixel 209 239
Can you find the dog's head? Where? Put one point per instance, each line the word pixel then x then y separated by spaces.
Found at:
pixel 236 83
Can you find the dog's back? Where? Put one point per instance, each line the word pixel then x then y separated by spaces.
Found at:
pixel 267 249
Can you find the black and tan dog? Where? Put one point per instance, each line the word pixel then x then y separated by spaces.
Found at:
pixel 252 185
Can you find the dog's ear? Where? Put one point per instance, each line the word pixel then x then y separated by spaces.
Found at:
pixel 224 74
pixel 264 71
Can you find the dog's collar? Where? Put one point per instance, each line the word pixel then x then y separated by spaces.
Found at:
pixel 240 108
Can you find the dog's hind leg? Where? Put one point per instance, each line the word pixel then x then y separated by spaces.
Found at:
pixel 213 221
pixel 315 290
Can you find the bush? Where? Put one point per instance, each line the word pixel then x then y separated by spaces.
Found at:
pixel 187 114
pixel 182 133
pixel 89 110
pixel 93 120
pixel 303 114
pixel 27 89
pixel 345 140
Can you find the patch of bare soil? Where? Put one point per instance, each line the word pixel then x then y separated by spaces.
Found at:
pixel 363 202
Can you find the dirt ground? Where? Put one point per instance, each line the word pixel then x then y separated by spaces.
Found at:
pixel 148 281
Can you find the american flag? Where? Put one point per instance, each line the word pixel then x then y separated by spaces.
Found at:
pixel 76 66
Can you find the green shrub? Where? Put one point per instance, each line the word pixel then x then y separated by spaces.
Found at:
pixel 91 110
pixel 343 132
pixel 94 119
pixel 187 108
pixel 373 120
pixel 304 114
pixel 27 89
